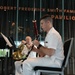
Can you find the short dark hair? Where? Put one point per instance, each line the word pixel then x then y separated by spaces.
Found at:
pixel 47 17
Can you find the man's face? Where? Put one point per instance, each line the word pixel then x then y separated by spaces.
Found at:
pixel 43 24
pixel 28 40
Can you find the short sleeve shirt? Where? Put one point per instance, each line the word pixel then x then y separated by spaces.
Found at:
pixel 53 40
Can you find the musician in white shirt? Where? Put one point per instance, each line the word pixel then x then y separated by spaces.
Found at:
pixel 52 53
pixel 27 46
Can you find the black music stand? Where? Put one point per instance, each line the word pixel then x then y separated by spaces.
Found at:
pixel 3 45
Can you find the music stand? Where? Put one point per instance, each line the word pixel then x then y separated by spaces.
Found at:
pixel 2 46
pixel 2 43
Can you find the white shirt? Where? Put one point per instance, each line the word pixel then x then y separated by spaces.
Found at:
pixel 53 40
pixel 26 50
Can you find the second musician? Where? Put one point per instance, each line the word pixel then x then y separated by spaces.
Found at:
pixel 27 46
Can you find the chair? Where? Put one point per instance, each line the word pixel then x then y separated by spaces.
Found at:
pixel 67 50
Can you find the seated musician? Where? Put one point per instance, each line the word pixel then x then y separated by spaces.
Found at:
pixel 52 51
pixel 27 45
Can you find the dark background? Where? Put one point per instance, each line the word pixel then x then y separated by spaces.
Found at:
pixel 18 23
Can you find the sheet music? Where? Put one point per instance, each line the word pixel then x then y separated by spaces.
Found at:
pixel 6 39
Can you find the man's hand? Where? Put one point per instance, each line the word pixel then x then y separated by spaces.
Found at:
pixel 36 42
pixel 23 42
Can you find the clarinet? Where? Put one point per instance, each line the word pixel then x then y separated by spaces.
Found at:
pixel 36 37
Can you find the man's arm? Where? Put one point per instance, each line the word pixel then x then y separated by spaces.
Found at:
pixel 42 51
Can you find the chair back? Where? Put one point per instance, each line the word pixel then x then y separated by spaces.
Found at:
pixel 67 50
